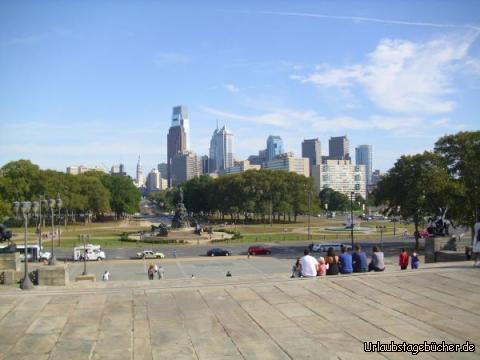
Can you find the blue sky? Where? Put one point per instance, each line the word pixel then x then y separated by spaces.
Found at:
pixel 94 82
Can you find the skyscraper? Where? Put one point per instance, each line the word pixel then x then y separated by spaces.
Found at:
pixel 311 149
pixel 339 148
pixel 221 150
pixel 139 179
pixel 177 138
pixel 363 156
pixel 274 147
pixel 185 166
pixel 180 118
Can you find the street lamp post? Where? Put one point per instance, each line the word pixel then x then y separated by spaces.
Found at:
pixel 351 216
pixel 382 229
pixel 84 237
pixel 25 207
pixel 59 205
pixel 52 260
pixel 309 211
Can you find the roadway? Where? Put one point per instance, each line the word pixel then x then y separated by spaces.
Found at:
pixel 289 250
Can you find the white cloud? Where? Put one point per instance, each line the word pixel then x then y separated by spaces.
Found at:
pixel 231 88
pixel 292 119
pixel 403 76
pixel 170 58
pixel 361 19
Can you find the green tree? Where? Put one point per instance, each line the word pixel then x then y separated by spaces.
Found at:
pixel 336 200
pixel 461 153
pixel 125 197
pixel 417 185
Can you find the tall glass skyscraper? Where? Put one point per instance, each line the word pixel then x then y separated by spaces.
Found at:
pixel 274 147
pixel 311 150
pixel 177 138
pixel 363 156
pixel 221 150
pixel 180 118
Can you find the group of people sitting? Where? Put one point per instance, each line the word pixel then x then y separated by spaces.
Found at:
pixel 345 263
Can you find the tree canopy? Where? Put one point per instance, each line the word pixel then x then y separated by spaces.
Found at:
pixel 93 191
pixel 254 194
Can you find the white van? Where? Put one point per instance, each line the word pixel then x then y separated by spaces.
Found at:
pixel 89 252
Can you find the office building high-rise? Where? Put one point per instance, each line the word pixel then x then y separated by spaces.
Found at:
pixel 363 156
pixel 176 138
pixel 339 148
pixel 185 166
pixel 118 170
pixel 274 147
pixel 163 168
pixel 205 164
pixel 311 149
pixel 180 118
pixel 221 150
pixel 139 179
pixel 341 176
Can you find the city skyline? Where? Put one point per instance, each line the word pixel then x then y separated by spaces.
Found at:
pixel 95 83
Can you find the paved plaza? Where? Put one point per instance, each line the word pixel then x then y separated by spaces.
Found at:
pixel 253 316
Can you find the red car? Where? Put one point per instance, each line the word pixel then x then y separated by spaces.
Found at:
pixel 423 234
pixel 258 250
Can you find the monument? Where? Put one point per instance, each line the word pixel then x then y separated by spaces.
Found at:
pixel 180 219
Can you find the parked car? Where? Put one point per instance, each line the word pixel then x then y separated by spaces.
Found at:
pixel 424 233
pixel 218 252
pixel 323 247
pixel 150 254
pixel 258 250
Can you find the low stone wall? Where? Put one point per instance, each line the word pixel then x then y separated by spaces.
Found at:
pixel 10 261
pixel 53 275
pixel 440 249
pixel 10 277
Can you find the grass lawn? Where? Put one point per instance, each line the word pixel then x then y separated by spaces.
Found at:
pixel 108 234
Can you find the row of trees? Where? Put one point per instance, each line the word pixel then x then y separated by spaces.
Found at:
pixel 419 185
pixel 93 191
pixel 253 194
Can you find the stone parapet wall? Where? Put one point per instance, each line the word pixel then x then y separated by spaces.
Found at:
pixel 53 275
pixel 10 261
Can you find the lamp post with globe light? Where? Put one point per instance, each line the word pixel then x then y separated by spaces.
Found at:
pixel 52 203
pixel 26 208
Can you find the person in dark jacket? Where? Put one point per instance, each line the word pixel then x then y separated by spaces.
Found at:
pixel 332 262
pixel 359 260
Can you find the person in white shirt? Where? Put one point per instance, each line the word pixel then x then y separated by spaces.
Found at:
pixel 106 276
pixel 309 264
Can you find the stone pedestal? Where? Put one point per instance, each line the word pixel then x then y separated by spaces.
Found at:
pixel 87 277
pixel 56 275
pixel 10 261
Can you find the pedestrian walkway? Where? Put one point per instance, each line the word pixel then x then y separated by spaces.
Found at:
pixel 268 317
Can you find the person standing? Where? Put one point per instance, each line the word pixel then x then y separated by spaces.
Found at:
pixel 308 264
pixel 345 265
pixel 403 260
pixel 106 276
pixel 376 264
pixel 415 261
pixel 476 244
pixel 160 272
pixel 151 271
pixel 359 260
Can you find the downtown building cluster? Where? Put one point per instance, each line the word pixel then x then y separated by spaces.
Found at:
pixel 335 171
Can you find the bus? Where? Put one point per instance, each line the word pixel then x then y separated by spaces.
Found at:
pixel 34 253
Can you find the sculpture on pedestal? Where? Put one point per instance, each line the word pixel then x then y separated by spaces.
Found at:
pixel 6 235
pixel 180 219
